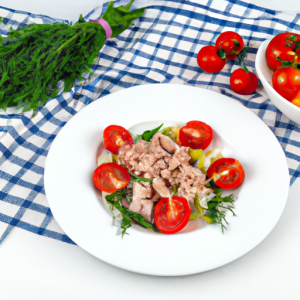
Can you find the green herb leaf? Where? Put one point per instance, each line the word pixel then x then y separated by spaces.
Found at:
pixel 243 54
pixel 115 199
pixel 138 178
pixel 138 137
pixel 120 18
pixel 213 215
pixel 148 134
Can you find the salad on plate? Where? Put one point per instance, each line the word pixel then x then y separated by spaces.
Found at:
pixel 166 177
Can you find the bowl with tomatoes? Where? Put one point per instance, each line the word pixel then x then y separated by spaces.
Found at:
pixel 277 65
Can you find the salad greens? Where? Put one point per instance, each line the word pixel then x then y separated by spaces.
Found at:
pixel 35 58
pixel 115 200
pixel 148 134
pixel 213 215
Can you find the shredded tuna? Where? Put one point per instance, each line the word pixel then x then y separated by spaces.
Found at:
pixel 167 144
pixel 180 157
pixel 166 174
pixel 149 188
pixel 165 163
pixel 139 191
pixel 160 186
pixel 191 182
pixel 142 207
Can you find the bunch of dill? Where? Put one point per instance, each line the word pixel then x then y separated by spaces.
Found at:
pixel 35 58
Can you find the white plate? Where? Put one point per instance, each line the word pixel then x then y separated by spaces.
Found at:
pixel 72 160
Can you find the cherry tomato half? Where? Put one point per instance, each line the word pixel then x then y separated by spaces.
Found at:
pixel 209 61
pixel 235 173
pixel 115 137
pixel 111 177
pixel 172 215
pixel 243 82
pixel 286 82
pixel 196 135
pixel 231 42
pixel 282 46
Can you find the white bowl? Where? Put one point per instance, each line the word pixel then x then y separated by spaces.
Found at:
pixel 265 75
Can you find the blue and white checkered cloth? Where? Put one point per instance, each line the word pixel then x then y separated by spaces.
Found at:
pixel 160 48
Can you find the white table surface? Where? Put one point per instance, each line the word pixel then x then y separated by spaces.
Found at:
pixel 35 267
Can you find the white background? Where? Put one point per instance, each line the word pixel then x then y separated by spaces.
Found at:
pixel 34 267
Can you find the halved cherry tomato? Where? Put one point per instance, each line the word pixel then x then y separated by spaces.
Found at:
pixel 243 82
pixel 196 135
pixel 209 61
pixel 286 82
pixel 115 137
pixel 234 176
pixel 172 214
pixel 231 42
pixel 111 177
pixel 283 46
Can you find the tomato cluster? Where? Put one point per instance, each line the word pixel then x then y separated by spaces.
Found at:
pixel 283 58
pixel 212 59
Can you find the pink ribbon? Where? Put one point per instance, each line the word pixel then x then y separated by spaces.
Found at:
pixel 106 27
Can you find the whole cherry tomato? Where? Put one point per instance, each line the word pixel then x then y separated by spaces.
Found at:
pixel 196 135
pixel 172 214
pixel 231 42
pixel 233 173
pixel 284 46
pixel 243 82
pixel 115 137
pixel 209 61
pixel 286 82
pixel 111 177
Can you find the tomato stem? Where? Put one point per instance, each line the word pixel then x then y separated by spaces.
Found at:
pixel 236 43
pixel 287 63
pixel 221 53
pixel 243 54
pixel 245 69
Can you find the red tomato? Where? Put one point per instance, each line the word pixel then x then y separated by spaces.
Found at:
pixel 196 135
pixel 286 82
pixel 111 177
pixel 282 46
pixel 233 178
pixel 115 137
pixel 172 215
pixel 243 82
pixel 209 61
pixel 231 42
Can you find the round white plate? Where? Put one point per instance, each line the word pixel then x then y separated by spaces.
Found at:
pixel 73 201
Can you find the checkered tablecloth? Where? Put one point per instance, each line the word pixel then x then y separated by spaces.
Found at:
pixel 160 48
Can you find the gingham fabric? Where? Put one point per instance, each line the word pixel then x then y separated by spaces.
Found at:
pixel 160 48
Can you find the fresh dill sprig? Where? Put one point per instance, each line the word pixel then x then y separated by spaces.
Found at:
pixel 213 215
pixel 115 200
